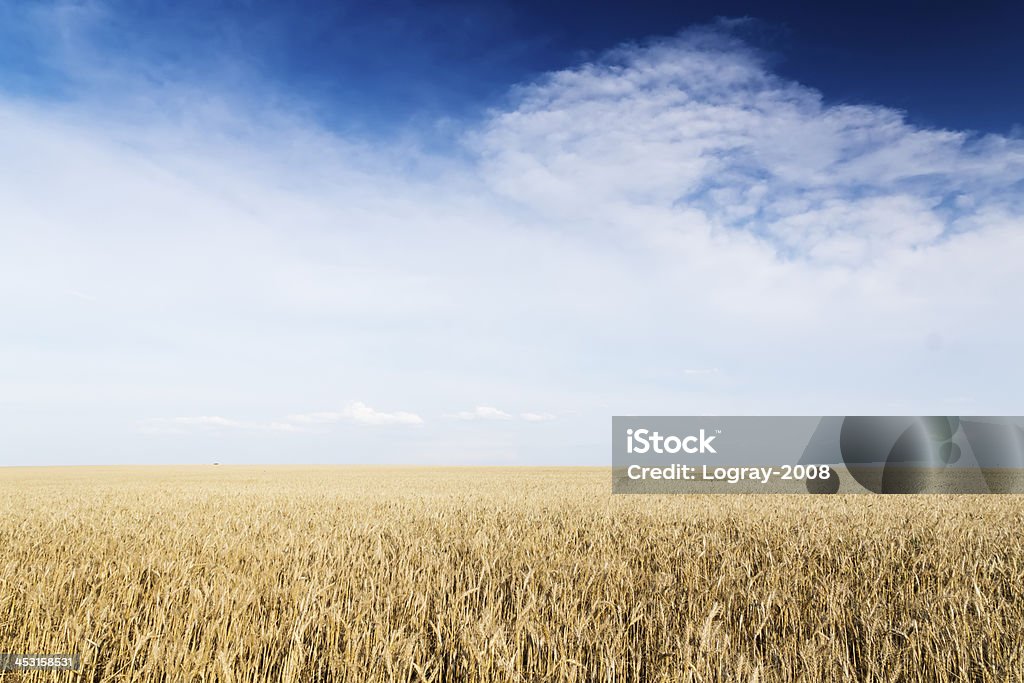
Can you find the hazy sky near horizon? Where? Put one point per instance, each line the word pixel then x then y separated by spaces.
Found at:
pixel 472 233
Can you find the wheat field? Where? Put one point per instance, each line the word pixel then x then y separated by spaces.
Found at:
pixel 461 574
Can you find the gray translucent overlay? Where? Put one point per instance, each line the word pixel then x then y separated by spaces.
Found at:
pixel 863 454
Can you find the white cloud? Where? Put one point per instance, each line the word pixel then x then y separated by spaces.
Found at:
pixel 612 229
pixel 364 414
pixel 179 425
pixel 492 413
pixel 538 417
pixel 695 134
pixel 481 413
pixel 357 411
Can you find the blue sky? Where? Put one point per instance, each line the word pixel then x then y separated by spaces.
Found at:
pixel 384 64
pixel 471 232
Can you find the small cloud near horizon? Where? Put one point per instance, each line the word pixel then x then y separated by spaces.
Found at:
pixel 481 413
pixel 356 411
pixel 538 417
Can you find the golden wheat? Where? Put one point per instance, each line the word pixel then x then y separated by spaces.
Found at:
pixel 408 574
